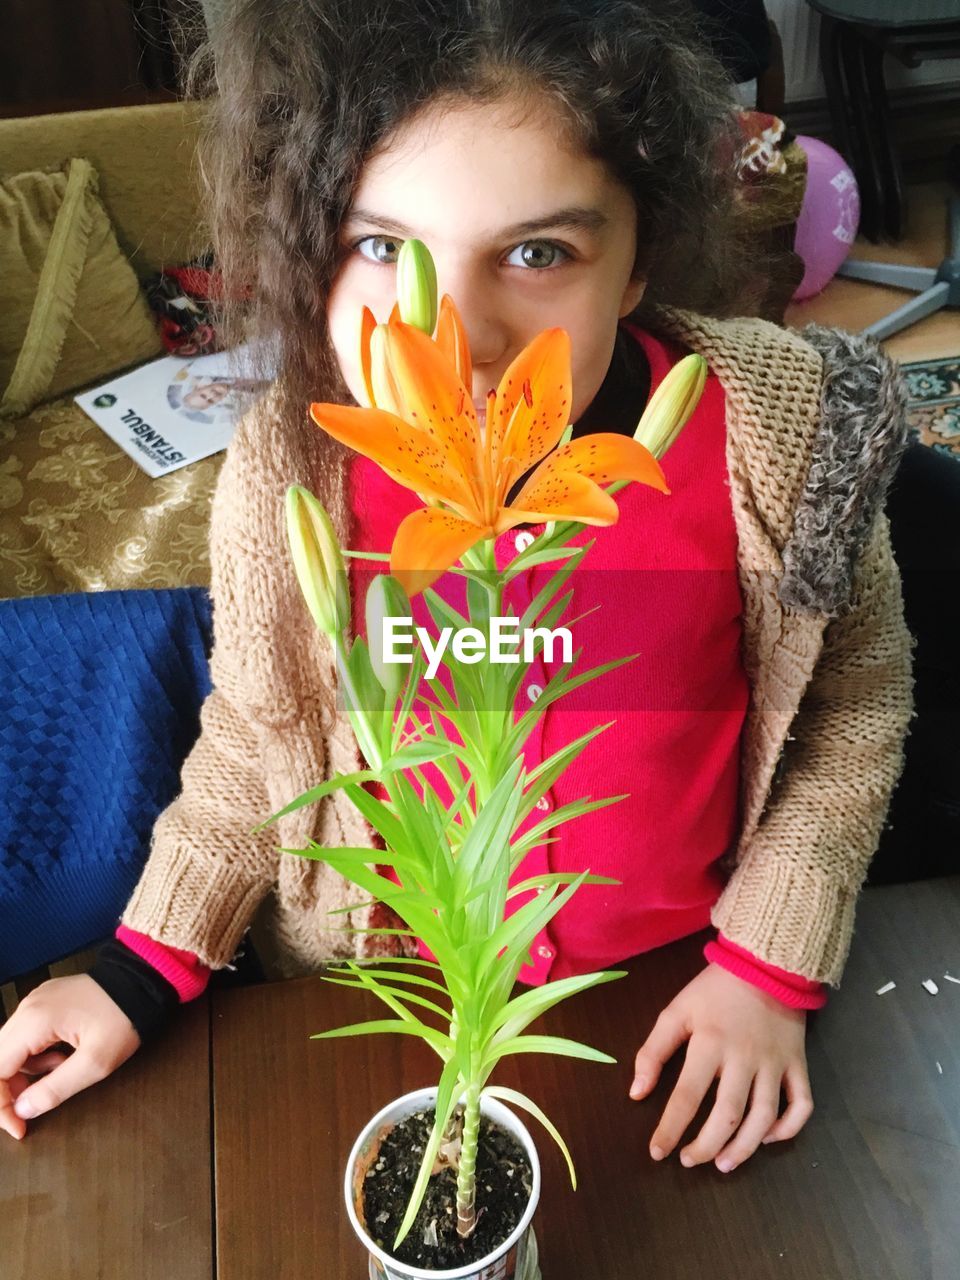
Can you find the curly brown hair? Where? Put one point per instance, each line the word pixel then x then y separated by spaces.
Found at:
pixel 303 90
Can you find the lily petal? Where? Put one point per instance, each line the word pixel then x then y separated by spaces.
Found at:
pixel 410 456
pixel 605 456
pixel 386 393
pixel 532 407
pixel 562 496
pixel 452 340
pixel 434 398
pixel 427 543
pixel 368 323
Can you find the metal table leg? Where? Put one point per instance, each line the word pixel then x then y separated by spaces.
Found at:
pixel 891 180
pixel 866 164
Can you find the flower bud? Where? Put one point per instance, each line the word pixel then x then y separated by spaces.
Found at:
pixel 671 405
pixel 386 598
pixel 318 561
pixel 417 286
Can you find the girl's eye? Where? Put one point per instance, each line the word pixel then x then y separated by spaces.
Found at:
pixel 383 247
pixel 535 254
pixel 539 254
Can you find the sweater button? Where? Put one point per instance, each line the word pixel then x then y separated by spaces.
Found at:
pixel 523 540
pixel 545 953
pixel 543 803
pixel 534 691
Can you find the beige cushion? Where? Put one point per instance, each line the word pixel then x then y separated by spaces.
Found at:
pixel 147 170
pixel 73 309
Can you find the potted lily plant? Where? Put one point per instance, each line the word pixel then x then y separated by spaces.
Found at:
pixel 446 755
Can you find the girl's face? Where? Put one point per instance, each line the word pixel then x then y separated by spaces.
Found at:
pixel 525 233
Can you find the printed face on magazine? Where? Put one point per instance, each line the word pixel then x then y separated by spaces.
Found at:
pixel 525 233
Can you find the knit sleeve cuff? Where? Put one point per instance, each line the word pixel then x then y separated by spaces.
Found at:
pixel 181 969
pixel 790 989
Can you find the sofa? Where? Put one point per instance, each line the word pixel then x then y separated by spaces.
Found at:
pixel 76 514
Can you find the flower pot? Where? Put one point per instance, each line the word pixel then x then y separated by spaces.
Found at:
pixel 514 1259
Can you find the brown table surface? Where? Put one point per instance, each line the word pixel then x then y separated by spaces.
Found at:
pixel 117 1182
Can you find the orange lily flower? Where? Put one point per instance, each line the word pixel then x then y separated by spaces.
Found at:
pixel 422 429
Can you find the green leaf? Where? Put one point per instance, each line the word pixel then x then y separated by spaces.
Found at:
pixel 565 813
pixel 490 833
pixel 518 1013
pixel 442 612
pixel 544 1044
pixel 518 931
pixel 348 859
pixel 416 753
pixel 380 816
pixel 336 783
pixel 540 601
pixel 534 556
pixel 557 688
pixel 444 1108
pixel 557 877
pixel 550 769
pixel 392 997
pixel 415 908
pixel 411 688
pixel 548 621
pixel 426 833
pixel 354 906
pixel 413 978
pixel 527 1104
pixel 385 933
pixel 447 707
pixel 383 1026
pixel 479 599
pixel 516 935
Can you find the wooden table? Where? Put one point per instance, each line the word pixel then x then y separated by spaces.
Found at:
pixel 118 1183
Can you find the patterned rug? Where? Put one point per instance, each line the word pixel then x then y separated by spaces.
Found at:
pixel 933 410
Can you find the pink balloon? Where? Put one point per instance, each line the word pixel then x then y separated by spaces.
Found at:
pixel 829 216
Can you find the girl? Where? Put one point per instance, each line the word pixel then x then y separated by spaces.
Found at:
pixel 568 164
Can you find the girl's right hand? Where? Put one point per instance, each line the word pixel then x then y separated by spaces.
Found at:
pixel 76 1011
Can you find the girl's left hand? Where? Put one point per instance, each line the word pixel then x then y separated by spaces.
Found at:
pixel 753 1042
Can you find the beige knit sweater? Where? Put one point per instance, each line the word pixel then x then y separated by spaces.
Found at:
pixel 814 433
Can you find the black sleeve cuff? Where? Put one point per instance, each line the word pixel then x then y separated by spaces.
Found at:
pixel 143 994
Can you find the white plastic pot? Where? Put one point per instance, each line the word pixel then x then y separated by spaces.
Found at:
pixel 515 1259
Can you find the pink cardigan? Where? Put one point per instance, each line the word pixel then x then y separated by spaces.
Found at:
pixel 666 571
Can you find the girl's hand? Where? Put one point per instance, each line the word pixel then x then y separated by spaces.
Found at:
pixel 34 1076
pixel 748 1038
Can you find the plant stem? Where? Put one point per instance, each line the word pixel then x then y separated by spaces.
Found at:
pixel 467 1175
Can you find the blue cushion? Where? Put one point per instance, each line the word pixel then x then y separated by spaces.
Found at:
pixel 101 702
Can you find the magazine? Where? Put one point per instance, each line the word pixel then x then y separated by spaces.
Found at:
pixel 175 410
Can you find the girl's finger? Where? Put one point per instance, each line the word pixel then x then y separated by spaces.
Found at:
pixel 77 1072
pixel 763 1112
pixel 800 1104
pixel 38 1064
pixel 10 1122
pixel 732 1096
pixel 668 1034
pixel 699 1072
pixel 16 1084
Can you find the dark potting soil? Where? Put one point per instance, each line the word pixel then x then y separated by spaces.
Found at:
pixel 504 1183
